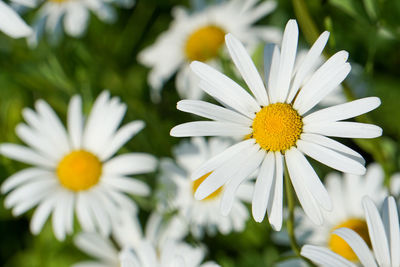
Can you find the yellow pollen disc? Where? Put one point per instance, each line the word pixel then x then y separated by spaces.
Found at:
pixel 79 170
pixel 204 44
pixel 277 127
pixel 338 245
pixel 196 184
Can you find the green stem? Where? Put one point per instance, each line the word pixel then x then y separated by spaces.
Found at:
pixel 290 223
pixel 291 205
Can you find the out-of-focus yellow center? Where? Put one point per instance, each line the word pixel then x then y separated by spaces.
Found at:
pixel 196 184
pixel 277 127
pixel 58 1
pixel 79 170
pixel 204 43
pixel 338 245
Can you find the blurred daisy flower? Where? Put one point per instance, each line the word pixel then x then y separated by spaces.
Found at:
pixel 202 215
pixel 72 15
pixel 200 36
pixel 134 249
pixel 383 233
pixel 347 210
pixel 74 169
pixel 277 126
pixel 11 23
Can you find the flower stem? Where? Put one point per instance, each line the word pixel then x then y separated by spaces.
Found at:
pixel 290 222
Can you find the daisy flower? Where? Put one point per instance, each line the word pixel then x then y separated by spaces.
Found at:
pixel 277 126
pixel 347 210
pixel 133 249
pixel 74 170
pixel 200 36
pixel 384 235
pixel 203 214
pixel 72 15
pixel 11 23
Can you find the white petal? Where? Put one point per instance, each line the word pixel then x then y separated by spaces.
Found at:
pixel 391 219
pixel 263 189
pixel 122 136
pixel 69 212
pixel 344 129
pixel 96 246
pixel 27 204
pixel 48 114
pixel 309 178
pixel 26 155
pixel 45 131
pixel 247 69
pixel 128 259
pixel 11 23
pixel 213 112
pixel 100 215
pixel 331 158
pixel 247 168
pixel 268 53
pixel 223 173
pixel 209 128
pixel 128 185
pixel 226 89
pixel 327 74
pixel 84 213
pixel 22 177
pixel 273 76
pixel 327 84
pixel 287 58
pixel 275 214
pixel 307 64
pixel 75 122
pixel 130 163
pixel 358 245
pixel 76 19
pixel 325 257
pixel 218 160
pixel 95 117
pixel 332 144
pixel 376 232
pixel 58 217
pixel 343 111
pixel 29 190
pixel 42 213
pixel 306 198
pixel 38 142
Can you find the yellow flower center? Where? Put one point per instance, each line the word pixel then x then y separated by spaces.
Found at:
pixel 196 184
pixel 79 170
pixel 204 43
pixel 58 1
pixel 338 245
pixel 277 127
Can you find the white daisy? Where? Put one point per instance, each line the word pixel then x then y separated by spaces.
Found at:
pixel 155 249
pixel 73 169
pixel 11 23
pixel 277 126
pixel 200 36
pixel 384 234
pixel 203 214
pixel 347 210
pixel 72 15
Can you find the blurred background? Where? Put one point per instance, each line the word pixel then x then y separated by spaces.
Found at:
pixel 106 58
